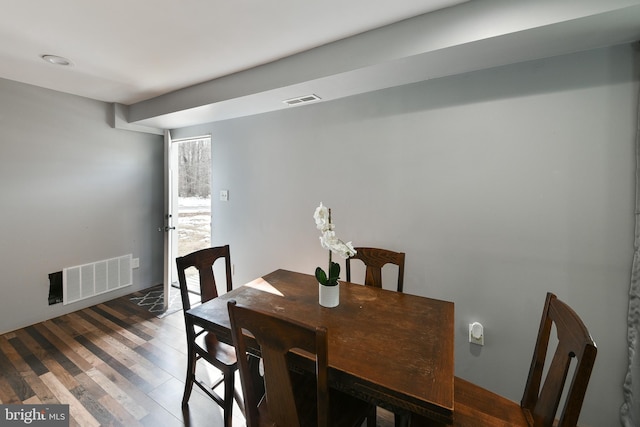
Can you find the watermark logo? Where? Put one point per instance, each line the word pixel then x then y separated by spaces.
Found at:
pixel 34 415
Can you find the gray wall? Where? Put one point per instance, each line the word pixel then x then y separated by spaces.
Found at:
pixel 73 191
pixel 500 185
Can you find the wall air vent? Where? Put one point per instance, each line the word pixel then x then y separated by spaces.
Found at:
pixel 88 280
pixel 302 100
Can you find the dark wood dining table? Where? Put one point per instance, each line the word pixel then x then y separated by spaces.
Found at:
pixel 393 349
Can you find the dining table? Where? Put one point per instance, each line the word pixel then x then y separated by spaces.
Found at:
pixel 395 350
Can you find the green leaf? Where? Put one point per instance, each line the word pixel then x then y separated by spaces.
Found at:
pixel 334 273
pixel 321 276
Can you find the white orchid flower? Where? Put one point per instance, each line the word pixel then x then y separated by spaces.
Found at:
pixel 323 218
pixel 329 241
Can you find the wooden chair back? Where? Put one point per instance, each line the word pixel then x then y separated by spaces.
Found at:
pixel 374 259
pixel 574 342
pixel 276 336
pixel 203 261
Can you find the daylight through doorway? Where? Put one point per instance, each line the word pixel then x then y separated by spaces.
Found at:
pixel 194 199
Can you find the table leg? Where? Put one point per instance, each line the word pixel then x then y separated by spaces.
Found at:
pixel 401 420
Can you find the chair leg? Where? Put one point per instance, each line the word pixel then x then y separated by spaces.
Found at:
pixel 190 377
pixel 229 389
pixel 239 400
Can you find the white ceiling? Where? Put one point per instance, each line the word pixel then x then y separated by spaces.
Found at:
pixel 175 63
pixel 127 51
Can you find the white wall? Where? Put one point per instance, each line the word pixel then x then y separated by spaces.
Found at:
pixel 73 191
pixel 500 185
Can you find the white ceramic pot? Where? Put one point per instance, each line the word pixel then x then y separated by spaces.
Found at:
pixel 329 296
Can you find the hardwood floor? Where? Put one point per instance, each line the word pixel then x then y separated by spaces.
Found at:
pixel 115 364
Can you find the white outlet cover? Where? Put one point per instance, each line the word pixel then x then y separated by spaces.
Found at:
pixel 476 333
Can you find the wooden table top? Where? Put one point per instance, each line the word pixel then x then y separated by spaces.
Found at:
pixel 394 349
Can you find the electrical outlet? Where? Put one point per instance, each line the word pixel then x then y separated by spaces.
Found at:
pixel 224 195
pixel 135 263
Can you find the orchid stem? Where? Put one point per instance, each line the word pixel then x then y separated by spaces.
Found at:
pixel 329 270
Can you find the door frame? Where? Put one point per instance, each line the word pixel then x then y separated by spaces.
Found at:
pixel 170 242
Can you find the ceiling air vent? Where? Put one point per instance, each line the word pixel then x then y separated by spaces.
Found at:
pixel 302 99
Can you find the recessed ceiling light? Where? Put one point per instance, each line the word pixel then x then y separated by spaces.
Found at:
pixel 57 60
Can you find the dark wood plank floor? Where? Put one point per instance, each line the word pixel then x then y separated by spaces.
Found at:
pixel 115 364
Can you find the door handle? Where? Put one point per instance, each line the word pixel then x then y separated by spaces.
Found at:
pixel 167 228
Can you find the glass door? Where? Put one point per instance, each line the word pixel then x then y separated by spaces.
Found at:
pixel 192 200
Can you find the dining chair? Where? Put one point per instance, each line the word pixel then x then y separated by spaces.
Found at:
pixel 292 398
pixel 202 344
pixel 374 259
pixel 478 407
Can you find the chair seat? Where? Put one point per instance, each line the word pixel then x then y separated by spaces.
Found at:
pixel 476 407
pixel 217 353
